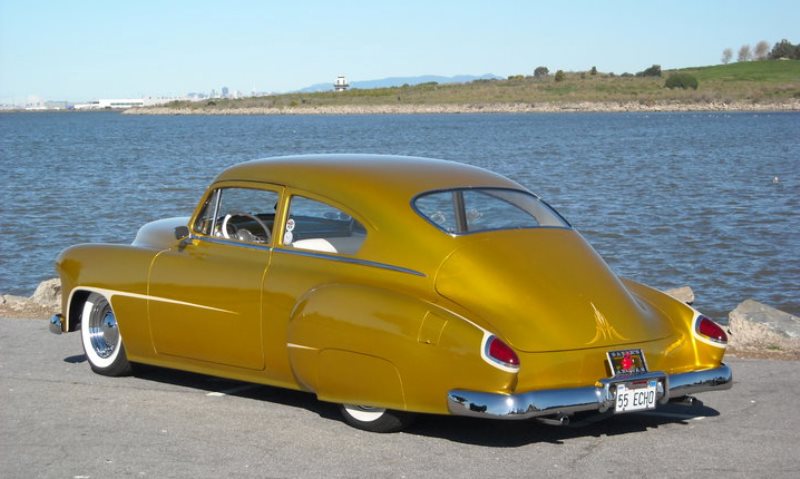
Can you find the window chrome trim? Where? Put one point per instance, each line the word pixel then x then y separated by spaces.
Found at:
pixel 455 234
pixel 349 260
pixel 229 242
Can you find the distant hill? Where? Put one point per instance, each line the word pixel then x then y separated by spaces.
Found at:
pixel 400 81
pixel 741 85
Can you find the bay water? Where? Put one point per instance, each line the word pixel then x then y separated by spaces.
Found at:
pixel 710 200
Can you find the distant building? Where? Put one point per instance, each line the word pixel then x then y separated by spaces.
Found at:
pixel 224 92
pixel 121 103
pixel 341 83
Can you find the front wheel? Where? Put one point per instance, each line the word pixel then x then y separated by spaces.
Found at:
pixel 376 419
pixel 100 337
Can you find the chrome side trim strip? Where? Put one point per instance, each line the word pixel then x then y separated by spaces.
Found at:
pixel 109 293
pixel 345 259
pixel 598 398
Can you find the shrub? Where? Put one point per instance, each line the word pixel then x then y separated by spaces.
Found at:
pixel 593 71
pixel 516 77
pixel 653 71
pixel 560 75
pixel 681 80
pixel 541 72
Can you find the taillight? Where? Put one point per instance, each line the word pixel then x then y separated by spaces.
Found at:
pixel 711 330
pixel 500 353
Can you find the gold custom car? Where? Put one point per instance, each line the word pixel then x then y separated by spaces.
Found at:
pixel 391 286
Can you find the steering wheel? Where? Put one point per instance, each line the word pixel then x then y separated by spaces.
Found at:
pixel 246 215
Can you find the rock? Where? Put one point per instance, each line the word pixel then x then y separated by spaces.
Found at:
pixel 48 294
pixel 754 325
pixel 683 294
pixel 13 302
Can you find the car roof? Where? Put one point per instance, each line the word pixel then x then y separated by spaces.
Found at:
pixel 361 177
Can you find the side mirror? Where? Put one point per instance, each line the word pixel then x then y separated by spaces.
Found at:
pixel 181 232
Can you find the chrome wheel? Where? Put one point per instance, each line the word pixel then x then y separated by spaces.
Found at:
pixel 103 332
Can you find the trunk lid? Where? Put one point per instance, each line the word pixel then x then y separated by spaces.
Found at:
pixel 546 289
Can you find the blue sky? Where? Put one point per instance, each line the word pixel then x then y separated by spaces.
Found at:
pixel 80 50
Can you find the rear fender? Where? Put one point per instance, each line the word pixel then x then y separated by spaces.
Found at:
pixel 371 346
pixel 687 351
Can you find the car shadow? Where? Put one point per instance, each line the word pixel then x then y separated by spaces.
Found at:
pixel 78 358
pixel 466 430
pixel 231 387
pixel 500 433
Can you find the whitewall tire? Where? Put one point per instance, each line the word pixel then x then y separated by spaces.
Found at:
pixel 101 339
pixel 376 419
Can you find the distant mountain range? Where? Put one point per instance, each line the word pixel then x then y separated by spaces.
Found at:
pixel 400 81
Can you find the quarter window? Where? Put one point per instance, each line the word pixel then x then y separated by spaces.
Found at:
pixel 316 226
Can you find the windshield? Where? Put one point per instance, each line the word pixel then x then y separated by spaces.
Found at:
pixel 463 211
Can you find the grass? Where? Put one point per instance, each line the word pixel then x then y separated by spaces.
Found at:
pixel 758 81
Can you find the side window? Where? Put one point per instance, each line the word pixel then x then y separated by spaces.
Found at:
pixel 239 214
pixel 316 226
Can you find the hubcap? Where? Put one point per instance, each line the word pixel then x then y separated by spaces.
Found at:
pixel 103 330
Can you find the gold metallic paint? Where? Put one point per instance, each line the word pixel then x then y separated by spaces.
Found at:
pixel 359 333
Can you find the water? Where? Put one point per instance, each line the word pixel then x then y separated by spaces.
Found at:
pixel 668 199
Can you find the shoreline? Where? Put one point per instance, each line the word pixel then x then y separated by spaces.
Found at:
pixel 792 105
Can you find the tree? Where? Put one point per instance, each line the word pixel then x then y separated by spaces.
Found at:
pixel 744 54
pixel 761 51
pixel 560 75
pixel 785 49
pixel 593 71
pixel 727 54
pixel 541 72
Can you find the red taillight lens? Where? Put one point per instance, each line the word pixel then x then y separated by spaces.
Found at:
pixel 501 352
pixel 711 330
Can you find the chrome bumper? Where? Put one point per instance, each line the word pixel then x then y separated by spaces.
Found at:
pixel 598 398
pixel 57 324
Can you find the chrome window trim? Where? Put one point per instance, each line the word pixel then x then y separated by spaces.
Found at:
pixel 413 205
pixel 229 242
pixel 349 260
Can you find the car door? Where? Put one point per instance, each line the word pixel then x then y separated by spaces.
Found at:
pixel 205 297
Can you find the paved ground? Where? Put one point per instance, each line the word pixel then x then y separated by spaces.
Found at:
pixel 58 419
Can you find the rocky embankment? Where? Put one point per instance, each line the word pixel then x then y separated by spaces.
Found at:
pixel 405 109
pixel 756 330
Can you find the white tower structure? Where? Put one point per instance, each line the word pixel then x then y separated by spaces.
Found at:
pixel 341 83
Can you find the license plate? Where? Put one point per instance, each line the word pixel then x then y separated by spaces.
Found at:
pixel 635 396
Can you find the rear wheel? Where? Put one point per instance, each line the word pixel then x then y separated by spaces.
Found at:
pixel 376 419
pixel 100 337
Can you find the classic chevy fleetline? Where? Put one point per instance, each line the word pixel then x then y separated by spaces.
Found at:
pixel 392 286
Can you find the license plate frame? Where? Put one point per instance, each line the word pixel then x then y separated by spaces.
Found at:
pixel 633 396
pixel 626 362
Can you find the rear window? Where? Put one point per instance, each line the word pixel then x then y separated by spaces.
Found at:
pixel 463 211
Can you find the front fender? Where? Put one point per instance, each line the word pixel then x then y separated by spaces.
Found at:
pixel 119 272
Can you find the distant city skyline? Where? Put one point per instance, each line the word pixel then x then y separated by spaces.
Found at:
pixel 90 49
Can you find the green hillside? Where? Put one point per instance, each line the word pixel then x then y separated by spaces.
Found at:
pixel 757 82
